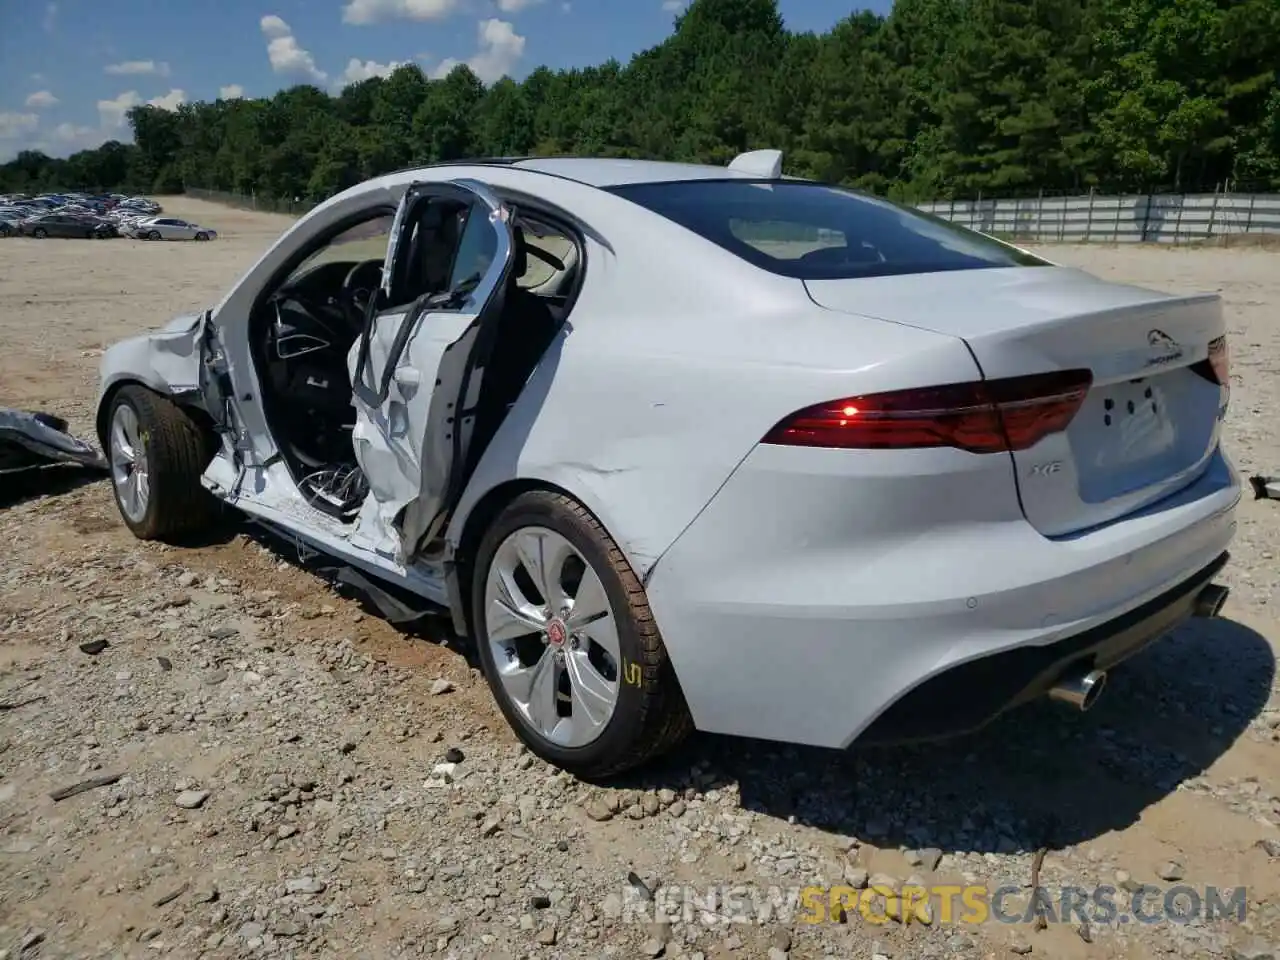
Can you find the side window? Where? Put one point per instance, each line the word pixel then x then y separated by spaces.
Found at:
pixel 476 249
pixel 451 244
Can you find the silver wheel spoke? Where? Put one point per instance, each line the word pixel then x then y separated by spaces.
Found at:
pixel 534 691
pixel 593 696
pixel 543 553
pixel 605 632
pixel 511 614
pixel 589 603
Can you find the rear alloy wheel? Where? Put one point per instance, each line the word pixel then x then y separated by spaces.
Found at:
pixel 39 233
pixel 157 454
pixel 568 643
pixel 153 235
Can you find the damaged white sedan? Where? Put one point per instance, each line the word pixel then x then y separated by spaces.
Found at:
pixel 693 447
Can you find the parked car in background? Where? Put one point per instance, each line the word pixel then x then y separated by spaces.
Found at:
pixel 67 225
pixel 168 228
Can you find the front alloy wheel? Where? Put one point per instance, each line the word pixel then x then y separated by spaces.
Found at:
pixel 568 644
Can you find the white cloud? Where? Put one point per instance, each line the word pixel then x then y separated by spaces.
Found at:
pixel 41 99
pixel 14 126
pixel 170 101
pixel 673 6
pixel 37 78
pixel 284 53
pixel 112 112
pixel 500 50
pixel 137 68
pixel 364 12
pixel 50 17
pixel 515 6
pixel 232 91
pixel 68 138
pixel 357 71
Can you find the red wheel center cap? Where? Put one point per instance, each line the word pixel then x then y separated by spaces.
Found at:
pixel 557 633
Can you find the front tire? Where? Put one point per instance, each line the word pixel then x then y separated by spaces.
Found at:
pixel 568 643
pixel 39 233
pixel 157 454
pixel 202 236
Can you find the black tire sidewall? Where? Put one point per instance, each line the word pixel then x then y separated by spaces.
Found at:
pixel 617 739
pixel 39 233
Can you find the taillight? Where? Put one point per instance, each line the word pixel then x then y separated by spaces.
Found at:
pixel 987 416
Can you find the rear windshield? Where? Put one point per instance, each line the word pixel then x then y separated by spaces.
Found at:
pixel 817 232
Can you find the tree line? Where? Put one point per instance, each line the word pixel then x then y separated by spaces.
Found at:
pixel 941 98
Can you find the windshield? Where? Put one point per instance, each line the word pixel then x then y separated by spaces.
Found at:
pixel 813 231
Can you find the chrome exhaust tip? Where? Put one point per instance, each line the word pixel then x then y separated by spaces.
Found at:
pixel 1209 601
pixel 1079 690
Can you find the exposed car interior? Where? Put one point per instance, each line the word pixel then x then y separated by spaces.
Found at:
pixel 302 332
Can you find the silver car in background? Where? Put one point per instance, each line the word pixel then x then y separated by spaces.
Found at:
pixel 169 228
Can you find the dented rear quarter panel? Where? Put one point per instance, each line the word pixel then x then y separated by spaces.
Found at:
pixel 656 390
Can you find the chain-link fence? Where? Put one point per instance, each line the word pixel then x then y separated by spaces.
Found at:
pixel 251 201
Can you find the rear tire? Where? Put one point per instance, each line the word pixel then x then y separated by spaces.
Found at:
pixel 153 235
pixel 39 233
pixel 165 452
pixel 648 715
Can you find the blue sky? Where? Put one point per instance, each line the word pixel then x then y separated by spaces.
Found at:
pixel 70 69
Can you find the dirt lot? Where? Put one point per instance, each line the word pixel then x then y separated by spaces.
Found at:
pixel 279 747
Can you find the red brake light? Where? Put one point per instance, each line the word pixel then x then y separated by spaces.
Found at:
pixel 987 416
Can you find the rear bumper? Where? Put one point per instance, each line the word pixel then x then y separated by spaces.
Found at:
pixel 968 697
pixel 819 592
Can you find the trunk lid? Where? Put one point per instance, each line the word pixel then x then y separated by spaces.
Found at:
pixel 1150 421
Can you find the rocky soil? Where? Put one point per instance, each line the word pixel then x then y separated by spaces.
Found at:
pixel 210 752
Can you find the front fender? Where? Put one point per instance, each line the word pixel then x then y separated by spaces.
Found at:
pixel 166 361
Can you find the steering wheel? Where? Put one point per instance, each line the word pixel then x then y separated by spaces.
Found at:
pixel 357 288
pixel 324 319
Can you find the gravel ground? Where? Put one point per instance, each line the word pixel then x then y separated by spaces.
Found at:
pixel 281 773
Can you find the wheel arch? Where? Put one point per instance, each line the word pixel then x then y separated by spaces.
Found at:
pixel 188 400
pixel 469 529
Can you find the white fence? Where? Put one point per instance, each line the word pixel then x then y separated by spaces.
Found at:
pixel 1158 218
